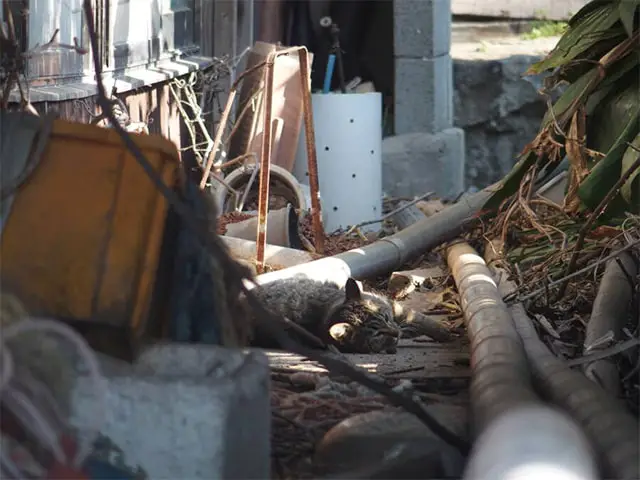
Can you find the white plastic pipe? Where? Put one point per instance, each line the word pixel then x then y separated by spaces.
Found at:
pixel 390 252
pixel 348 133
pixel 531 443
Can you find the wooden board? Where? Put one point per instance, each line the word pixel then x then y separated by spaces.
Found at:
pixel 414 360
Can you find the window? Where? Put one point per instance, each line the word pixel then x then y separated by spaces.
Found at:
pixel 130 33
pixel 43 19
pixel 144 31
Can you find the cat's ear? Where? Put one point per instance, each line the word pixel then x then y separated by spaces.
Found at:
pixel 340 332
pixel 352 290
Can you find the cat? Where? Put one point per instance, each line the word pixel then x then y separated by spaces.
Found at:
pixel 348 318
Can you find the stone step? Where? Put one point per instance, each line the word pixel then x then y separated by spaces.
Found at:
pixel 186 411
pixel 471 31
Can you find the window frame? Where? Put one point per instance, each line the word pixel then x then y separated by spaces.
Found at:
pixel 60 66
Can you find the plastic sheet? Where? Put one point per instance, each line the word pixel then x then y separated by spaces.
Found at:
pixel 37 435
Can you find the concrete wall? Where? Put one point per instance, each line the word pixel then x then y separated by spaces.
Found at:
pixel 426 153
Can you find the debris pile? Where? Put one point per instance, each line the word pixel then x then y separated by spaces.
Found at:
pixel 508 304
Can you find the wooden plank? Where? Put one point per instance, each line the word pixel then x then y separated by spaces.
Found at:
pixel 548 9
pixel 415 360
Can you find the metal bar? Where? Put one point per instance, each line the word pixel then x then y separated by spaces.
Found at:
pixel 310 136
pixel 265 164
pixel 223 122
pixel 216 143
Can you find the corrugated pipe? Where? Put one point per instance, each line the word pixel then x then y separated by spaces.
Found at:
pixel 516 432
pixel 612 430
pixel 390 252
pixel 610 314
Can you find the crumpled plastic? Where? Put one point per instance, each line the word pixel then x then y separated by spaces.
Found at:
pixel 40 360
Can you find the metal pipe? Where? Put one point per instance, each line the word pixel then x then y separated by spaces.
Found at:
pixel 501 378
pixel 611 428
pixel 610 314
pixel 390 252
pixel 265 160
pixel 531 442
pixel 312 160
pixel 265 163
pixel 503 402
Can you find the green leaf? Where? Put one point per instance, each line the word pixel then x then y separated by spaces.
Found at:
pixel 510 184
pixel 583 88
pixel 613 113
pixel 586 10
pixel 631 189
pixel 606 173
pixel 627 9
pixel 582 35
pixel 574 93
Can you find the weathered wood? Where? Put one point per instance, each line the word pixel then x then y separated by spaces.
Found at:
pixel 149 103
pixel 435 360
pixel 225 24
pixel 548 9
pixel 206 27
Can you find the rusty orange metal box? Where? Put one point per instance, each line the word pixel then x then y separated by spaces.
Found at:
pixel 82 241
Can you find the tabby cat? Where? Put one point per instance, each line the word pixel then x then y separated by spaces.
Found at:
pixel 350 319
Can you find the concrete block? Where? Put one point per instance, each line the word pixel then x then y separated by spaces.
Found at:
pixel 423 95
pixel 417 163
pixel 422 28
pixel 188 411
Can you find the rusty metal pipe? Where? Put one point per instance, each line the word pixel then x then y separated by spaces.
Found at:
pixel 265 160
pixel 310 136
pixel 265 164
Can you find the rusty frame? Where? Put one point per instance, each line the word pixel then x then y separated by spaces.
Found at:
pixel 265 157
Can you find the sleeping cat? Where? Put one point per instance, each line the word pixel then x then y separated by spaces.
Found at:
pixel 350 319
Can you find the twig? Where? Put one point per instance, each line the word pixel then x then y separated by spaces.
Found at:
pixel 391 213
pixel 513 297
pixel 602 354
pixel 215 247
pixel 591 220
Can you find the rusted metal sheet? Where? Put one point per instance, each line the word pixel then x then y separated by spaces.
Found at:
pixel 547 9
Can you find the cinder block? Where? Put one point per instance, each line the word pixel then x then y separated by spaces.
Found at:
pixel 422 28
pixel 423 95
pixel 417 163
pixel 188 411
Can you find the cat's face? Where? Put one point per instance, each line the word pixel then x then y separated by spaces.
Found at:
pixel 363 324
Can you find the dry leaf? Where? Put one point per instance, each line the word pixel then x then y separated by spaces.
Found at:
pixel 577 157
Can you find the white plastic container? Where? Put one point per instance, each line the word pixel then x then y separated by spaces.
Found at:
pixel 348 130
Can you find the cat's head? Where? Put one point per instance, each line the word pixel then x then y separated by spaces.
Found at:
pixel 362 323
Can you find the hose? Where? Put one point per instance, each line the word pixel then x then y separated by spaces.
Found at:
pixel 612 430
pixel 503 402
